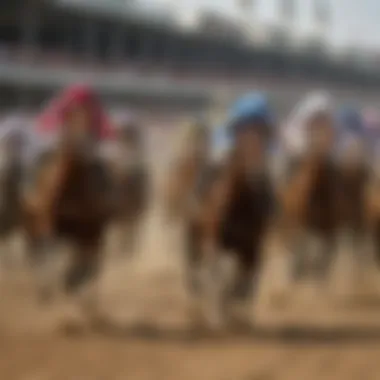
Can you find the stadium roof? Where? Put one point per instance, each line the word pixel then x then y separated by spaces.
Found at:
pixel 132 10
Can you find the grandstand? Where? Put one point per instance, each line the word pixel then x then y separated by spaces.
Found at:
pixel 138 55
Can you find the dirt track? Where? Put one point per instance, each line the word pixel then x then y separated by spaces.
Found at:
pixel 152 336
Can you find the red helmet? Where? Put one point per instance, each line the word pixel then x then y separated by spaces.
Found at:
pixel 53 117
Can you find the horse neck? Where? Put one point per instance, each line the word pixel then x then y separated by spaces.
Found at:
pixel 322 173
pixel 241 179
pixel 71 167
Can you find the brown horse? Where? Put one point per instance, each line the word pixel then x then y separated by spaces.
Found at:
pixel 308 212
pixel 323 201
pixel 69 196
pixel 307 192
pixel 229 224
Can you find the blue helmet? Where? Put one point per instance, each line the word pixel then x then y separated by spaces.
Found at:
pixel 350 120
pixel 250 108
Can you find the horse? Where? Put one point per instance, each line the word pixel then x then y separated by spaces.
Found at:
pixel 230 218
pixel 68 196
pixel 324 201
pixel 307 193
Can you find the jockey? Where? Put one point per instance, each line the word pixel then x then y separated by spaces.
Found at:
pixel 76 117
pixel 309 128
pixel 307 134
pixel 250 129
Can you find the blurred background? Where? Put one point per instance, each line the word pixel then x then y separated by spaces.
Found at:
pixel 177 56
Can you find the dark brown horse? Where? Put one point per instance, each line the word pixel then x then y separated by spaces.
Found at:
pixel 309 212
pixel 69 196
pixel 229 225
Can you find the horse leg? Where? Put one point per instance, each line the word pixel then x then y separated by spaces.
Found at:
pixel 299 257
pixel 83 268
pixel 41 251
pixel 322 251
pixel 215 286
pixel 361 247
pixel 245 286
pixel 81 287
pixel 193 256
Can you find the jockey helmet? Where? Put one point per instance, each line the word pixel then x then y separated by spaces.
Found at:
pixel 250 110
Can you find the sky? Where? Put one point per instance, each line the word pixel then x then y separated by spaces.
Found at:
pixel 355 23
